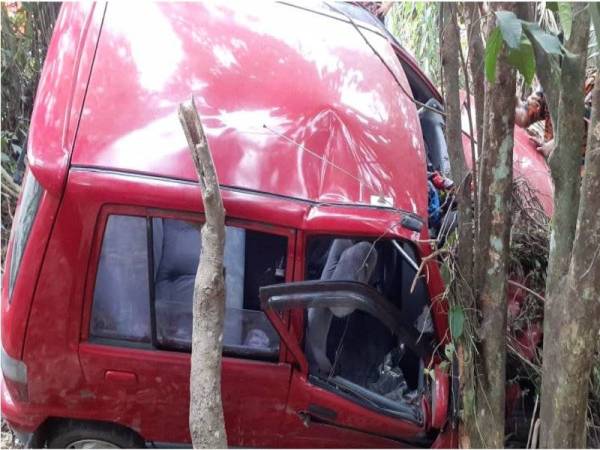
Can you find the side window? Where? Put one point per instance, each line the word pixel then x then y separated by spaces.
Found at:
pixel 353 344
pixel 31 194
pixel 252 259
pixel 121 308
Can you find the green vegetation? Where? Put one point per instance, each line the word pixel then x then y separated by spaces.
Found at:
pixel 26 32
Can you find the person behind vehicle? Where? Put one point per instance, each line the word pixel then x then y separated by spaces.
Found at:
pixel 535 108
pixel 379 10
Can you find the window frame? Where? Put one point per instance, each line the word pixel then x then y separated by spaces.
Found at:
pixel 304 240
pixel 303 295
pixel 149 213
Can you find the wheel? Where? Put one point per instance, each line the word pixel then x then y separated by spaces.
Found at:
pixel 91 443
pixel 72 434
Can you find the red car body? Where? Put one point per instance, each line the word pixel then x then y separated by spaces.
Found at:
pixel 309 133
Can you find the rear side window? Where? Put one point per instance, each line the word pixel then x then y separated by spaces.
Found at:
pixel 121 308
pixel 30 201
pixel 145 283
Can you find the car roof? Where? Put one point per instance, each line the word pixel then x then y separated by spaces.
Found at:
pixel 294 102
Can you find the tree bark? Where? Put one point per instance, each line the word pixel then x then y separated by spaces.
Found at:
pixel 495 196
pixel 579 313
pixel 565 161
pixel 476 59
pixel 449 36
pixel 450 78
pixel 207 425
pixel 573 283
pixel 461 294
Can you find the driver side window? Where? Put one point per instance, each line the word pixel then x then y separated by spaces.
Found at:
pixel 353 346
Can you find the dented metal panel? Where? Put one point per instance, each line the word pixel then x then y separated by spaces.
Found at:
pixel 293 101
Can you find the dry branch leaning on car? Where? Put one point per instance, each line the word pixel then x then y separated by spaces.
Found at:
pixel 207 424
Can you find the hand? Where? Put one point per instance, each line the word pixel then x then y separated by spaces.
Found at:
pixel 535 140
pixel 547 148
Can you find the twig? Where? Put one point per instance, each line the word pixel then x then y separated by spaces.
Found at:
pixel 9 185
pixel 536 431
pixel 535 407
pixel 525 288
pixel 513 350
pixel 424 260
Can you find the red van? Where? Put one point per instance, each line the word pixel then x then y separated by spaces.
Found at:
pixel 322 158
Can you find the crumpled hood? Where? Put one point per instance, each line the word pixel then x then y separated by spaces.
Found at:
pixel 294 102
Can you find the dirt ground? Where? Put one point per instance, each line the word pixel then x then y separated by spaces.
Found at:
pixel 7 439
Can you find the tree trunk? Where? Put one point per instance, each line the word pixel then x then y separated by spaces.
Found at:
pixel 450 78
pixel 495 195
pixel 573 282
pixel 565 161
pixel 576 332
pixel 461 294
pixel 449 50
pixel 207 425
pixel 476 59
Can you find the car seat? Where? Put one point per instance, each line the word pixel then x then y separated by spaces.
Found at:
pixel 177 246
pixel 432 126
pixel 346 261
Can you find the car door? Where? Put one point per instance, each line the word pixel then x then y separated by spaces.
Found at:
pixel 349 406
pixel 136 342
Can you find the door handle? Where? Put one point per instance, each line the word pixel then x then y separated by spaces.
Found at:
pixel 121 377
pixel 318 412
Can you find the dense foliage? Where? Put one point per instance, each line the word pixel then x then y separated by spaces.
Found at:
pixel 26 32
pixel 415 25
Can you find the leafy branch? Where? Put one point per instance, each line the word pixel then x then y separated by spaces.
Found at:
pixel 519 37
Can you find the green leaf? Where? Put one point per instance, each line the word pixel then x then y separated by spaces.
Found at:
pixel 444 366
pixel 430 373
pixel 492 49
pixel 510 27
pixel 548 42
pixel 523 60
pixel 446 275
pixel 456 317
pixel 565 14
pixel 552 6
pixel 449 351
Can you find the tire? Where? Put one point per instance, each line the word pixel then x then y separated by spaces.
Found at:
pixel 73 434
